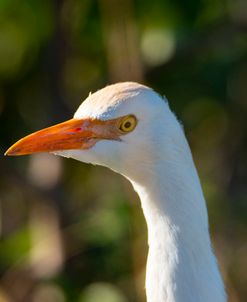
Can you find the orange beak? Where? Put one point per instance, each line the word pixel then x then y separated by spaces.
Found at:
pixel 72 134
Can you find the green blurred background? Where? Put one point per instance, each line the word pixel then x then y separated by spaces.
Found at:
pixel 73 232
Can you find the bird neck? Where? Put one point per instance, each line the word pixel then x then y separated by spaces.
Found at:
pixel 181 266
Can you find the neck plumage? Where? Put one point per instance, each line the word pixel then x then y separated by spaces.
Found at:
pixel 181 266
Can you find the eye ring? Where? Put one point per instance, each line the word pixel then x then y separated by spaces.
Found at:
pixel 127 124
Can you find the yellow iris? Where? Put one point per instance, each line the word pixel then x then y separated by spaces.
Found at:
pixel 127 124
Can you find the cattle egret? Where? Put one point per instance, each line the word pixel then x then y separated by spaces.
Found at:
pixel 131 129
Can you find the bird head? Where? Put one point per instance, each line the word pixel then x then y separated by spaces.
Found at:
pixel 124 126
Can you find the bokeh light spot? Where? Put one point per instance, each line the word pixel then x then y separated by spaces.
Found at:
pixel 157 46
pixel 48 293
pixel 102 292
pixel 44 170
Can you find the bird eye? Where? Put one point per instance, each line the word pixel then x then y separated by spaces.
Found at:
pixel 127 124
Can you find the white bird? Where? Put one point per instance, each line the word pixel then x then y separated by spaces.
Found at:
pixel 131 129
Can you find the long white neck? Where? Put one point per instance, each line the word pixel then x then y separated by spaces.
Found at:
pixel 181 266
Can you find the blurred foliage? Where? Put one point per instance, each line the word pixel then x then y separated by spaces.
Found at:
pixel 72 232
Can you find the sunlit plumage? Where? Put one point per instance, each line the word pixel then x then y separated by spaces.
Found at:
pixel 130 129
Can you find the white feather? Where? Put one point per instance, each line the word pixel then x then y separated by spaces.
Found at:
pixel 156 158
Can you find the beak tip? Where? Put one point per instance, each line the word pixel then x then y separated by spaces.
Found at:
pixel 12 151
pixel 9 152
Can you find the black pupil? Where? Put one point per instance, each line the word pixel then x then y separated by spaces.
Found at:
pixel 127 124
